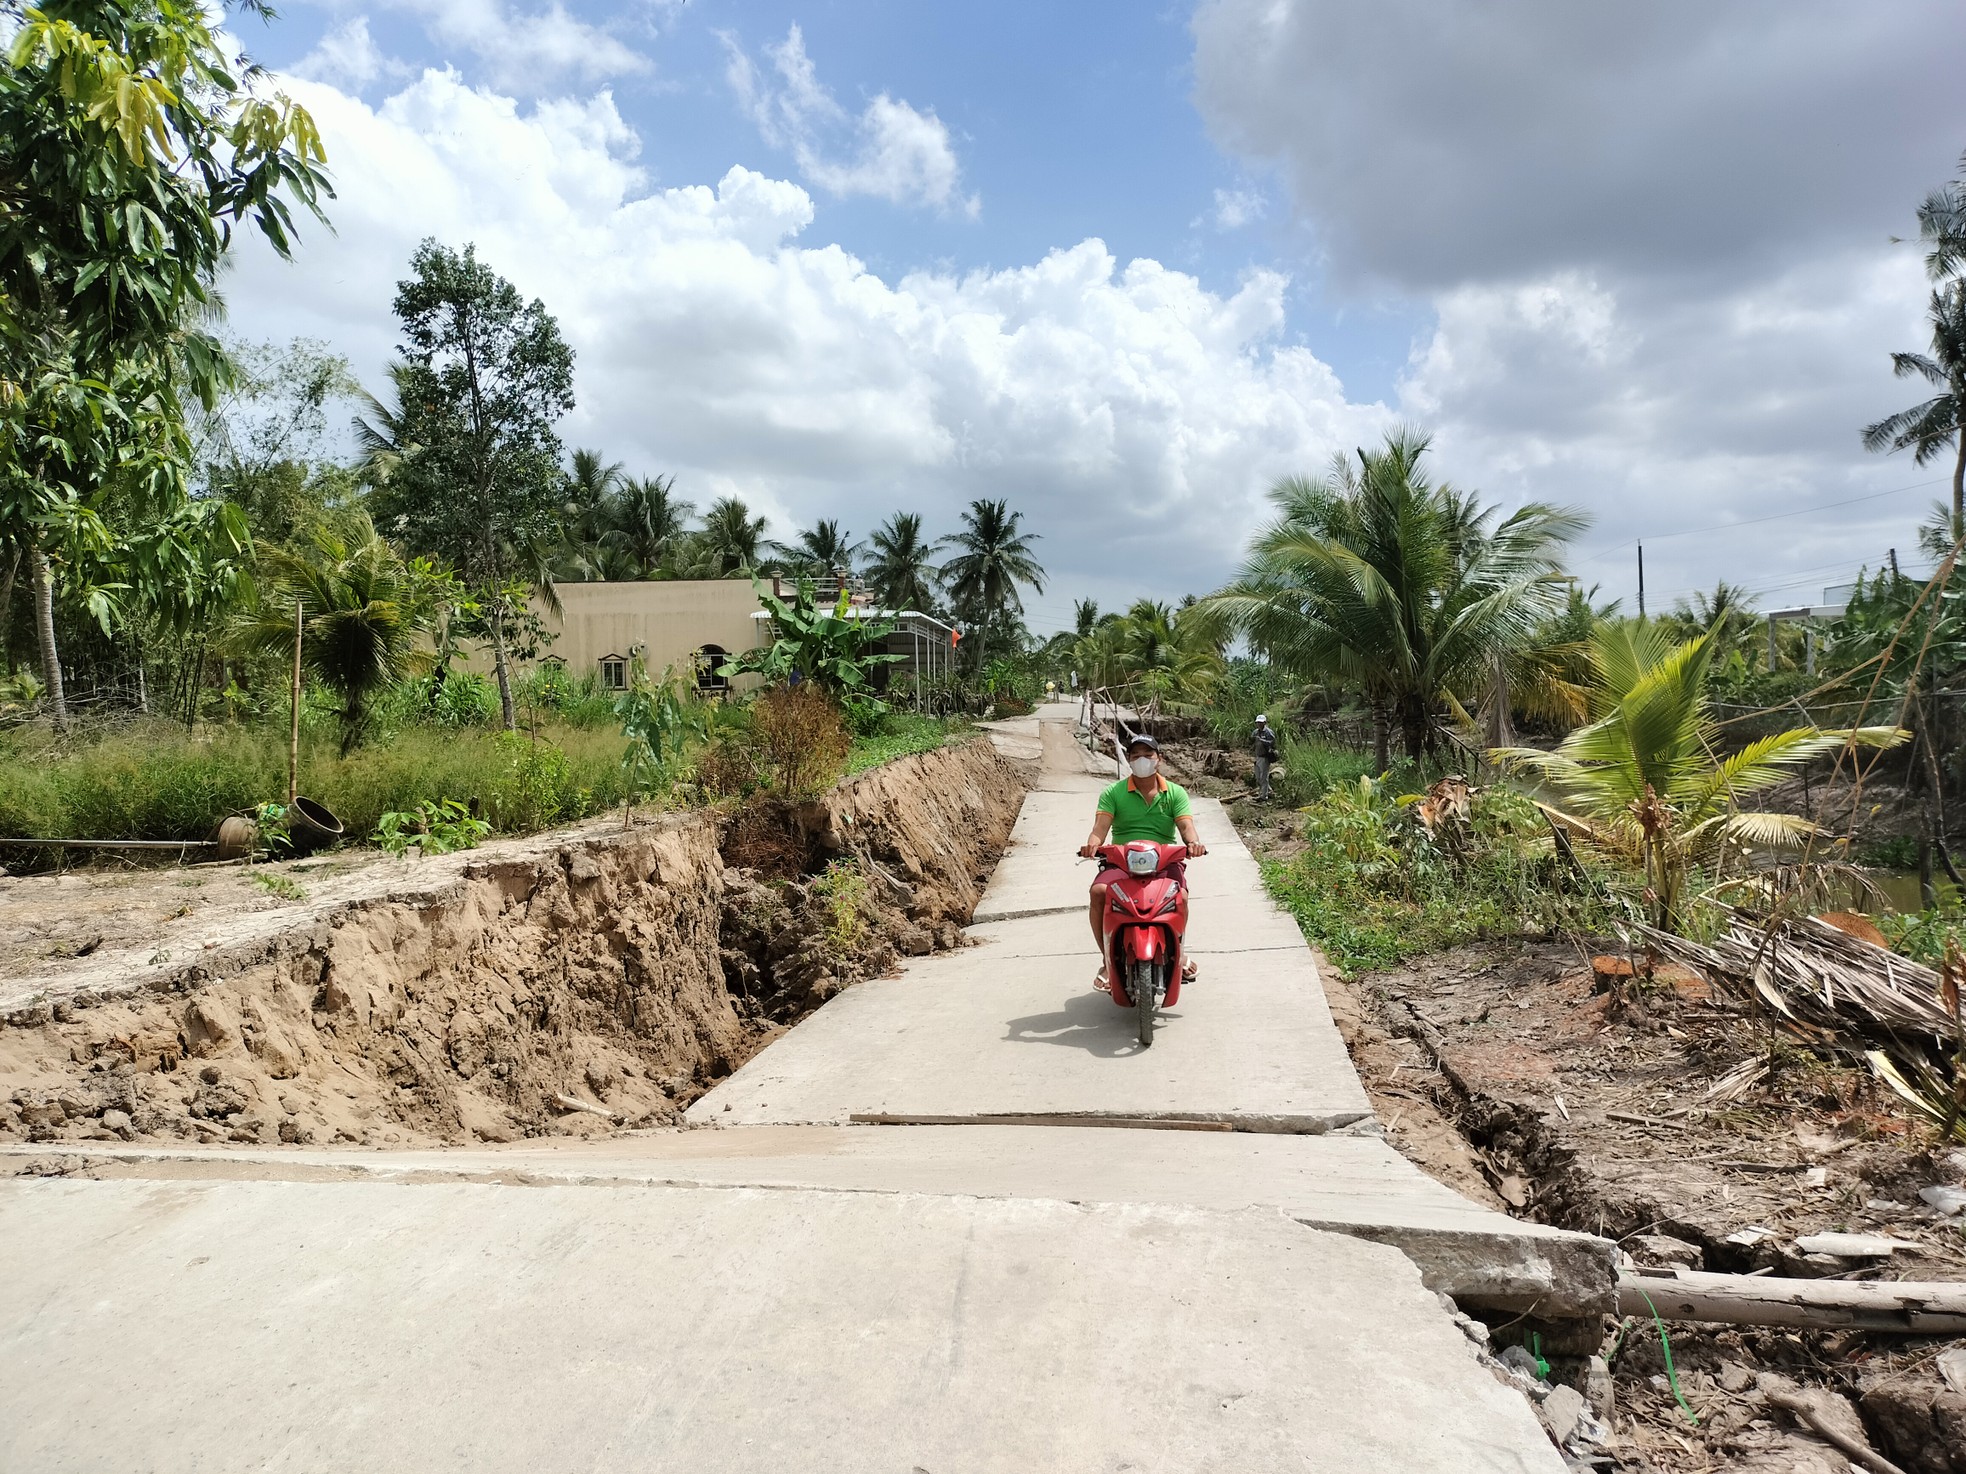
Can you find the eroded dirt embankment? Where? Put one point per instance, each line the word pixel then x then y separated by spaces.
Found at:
pixel 480 996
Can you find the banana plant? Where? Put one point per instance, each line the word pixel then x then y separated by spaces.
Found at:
pixel 834 648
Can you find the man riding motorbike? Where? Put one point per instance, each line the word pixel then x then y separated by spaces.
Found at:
pixel 1143 807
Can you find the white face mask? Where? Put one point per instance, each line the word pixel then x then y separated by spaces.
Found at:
pixel 1143 767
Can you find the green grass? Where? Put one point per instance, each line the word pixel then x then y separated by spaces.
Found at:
pixel 1372 888
pixel 149 781
pixel 901 734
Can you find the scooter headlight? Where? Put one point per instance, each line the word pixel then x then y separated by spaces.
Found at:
pixel 1142 862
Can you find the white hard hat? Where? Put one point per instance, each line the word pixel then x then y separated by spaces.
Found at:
pixel 1260 717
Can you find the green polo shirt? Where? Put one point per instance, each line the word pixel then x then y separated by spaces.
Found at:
pixel 1135 818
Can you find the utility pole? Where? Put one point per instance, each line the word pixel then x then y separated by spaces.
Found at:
pixel 1641 578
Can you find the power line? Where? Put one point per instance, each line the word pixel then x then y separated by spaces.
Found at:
pixel 1771 517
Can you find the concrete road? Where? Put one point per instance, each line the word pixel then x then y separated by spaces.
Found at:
pixel 1349 1184
pixel 1158 1296
pixel 1012 1026
pixel 291 1326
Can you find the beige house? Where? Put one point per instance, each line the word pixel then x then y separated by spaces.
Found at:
pixel 602 626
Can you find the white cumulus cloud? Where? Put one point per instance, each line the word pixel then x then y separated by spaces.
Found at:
pixel 1654 240
pixel 347 56
pixel 891 150
pixel 526 51
pixel 1134 416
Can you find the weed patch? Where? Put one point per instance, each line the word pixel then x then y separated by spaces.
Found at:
pixel 1374 884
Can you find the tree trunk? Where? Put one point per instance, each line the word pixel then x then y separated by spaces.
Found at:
pixel 1959 485
pixel 44 630
pixel 1501 730
pixel 7 610
pixel 1382 757
pixel 502 668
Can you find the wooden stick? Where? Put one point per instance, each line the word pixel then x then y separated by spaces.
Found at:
pixel 1905 1306
pixel 572 1103
pixel 1854 1451
pixel 293 736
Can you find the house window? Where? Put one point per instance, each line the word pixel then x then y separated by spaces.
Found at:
pixel 614 672
pixel 708 661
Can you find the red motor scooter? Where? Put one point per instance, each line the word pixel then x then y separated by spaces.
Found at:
pixel 1146 918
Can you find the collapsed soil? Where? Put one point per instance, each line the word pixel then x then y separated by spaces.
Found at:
pixel 581 981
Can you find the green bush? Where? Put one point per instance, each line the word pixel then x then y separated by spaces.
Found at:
pixel 1373 885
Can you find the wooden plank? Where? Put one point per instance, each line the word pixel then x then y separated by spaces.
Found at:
pixel 1930 1308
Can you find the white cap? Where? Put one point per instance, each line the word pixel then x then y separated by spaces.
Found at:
pixel 1260 717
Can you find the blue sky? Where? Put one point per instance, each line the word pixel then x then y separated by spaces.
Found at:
pixel 1634 261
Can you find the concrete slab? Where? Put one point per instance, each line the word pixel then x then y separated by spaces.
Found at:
pixel 280 1325
pixel 1013 1027
pixel 1356 1185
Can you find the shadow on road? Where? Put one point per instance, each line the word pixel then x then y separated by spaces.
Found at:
pixel 1089 1021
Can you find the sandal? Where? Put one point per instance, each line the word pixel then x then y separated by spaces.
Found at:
pixel 1189 973
pixel 1100 983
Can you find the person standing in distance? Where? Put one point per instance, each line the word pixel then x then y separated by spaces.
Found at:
pixel 1265 739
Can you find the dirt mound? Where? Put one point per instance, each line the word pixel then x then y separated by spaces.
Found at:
pixel 567 982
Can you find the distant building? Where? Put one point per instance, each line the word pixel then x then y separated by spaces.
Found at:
pixel 700 623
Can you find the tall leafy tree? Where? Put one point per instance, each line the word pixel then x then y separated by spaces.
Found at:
pixel 1928 429
pixel 901 565
pixel 485 377
pixel 131 147
pixel 993 558
pixel 1375 577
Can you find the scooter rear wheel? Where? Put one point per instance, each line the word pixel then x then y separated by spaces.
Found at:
pixel 1140 983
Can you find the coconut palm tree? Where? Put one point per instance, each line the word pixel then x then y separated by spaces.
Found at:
pixel 992 559
pixel 363 611
pixel 1164 654
pixel 727 544
pixel 821 551
pixel 382 431
pixel 1409 592
pixel 646 523
pixel 1727 615
pixel 1927 429
pixel 1642 780
pixel 1085 617
pixel 1942 228
pixel 900 569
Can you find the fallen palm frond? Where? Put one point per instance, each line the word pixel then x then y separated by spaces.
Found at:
pixel 1841 993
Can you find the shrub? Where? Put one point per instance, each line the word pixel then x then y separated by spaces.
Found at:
pixel 433 828
pixel 1373 883
pixel 801 739
pixel 727 769
pixel 842 892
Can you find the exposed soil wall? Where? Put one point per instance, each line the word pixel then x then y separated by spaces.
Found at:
pixel 477 996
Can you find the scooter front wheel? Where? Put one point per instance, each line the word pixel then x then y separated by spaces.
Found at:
pixel 1140 983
